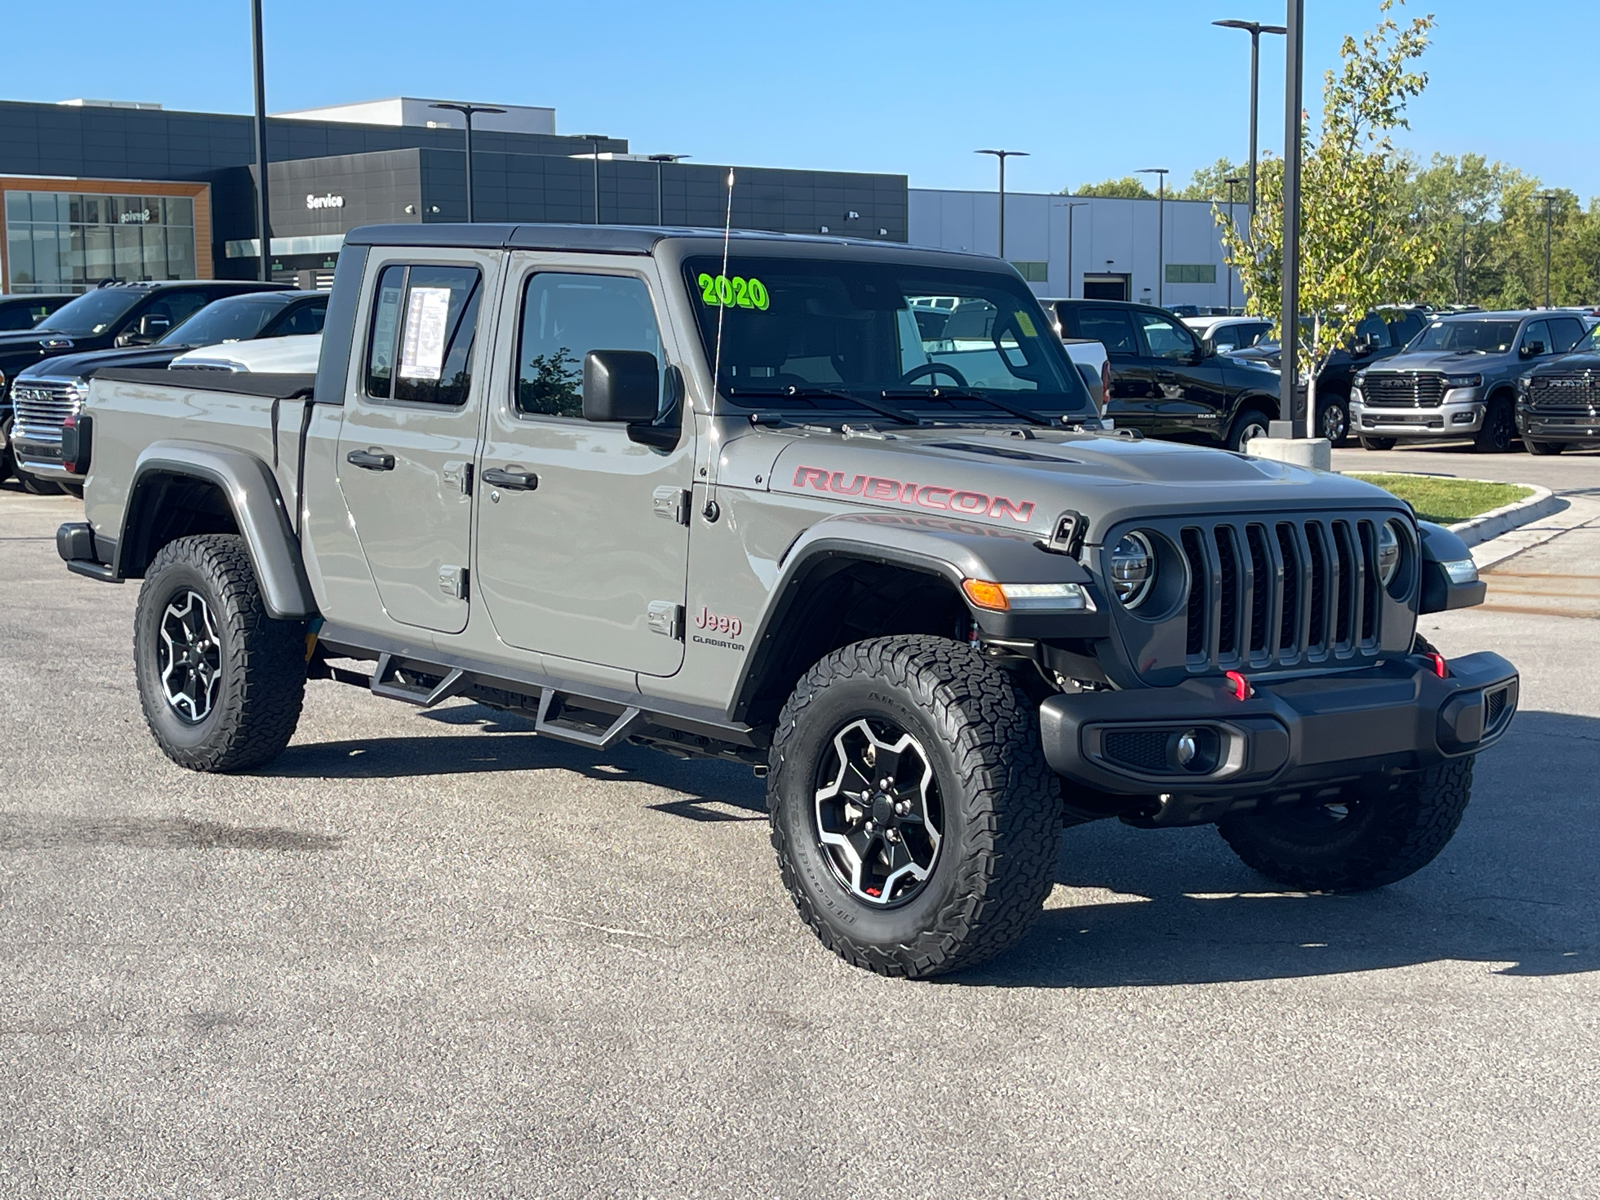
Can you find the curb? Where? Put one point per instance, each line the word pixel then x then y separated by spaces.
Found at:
pixel 1492 524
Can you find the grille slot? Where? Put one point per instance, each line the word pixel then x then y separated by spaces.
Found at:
pixel 1228 559
pixel 40 409
pixel 1392 389
pixel 1346 585
pixel 1199 576
pixel 1318 637
pixel 1369 593
pixel 1289 624
pixel 1142 749
pixel 1261 575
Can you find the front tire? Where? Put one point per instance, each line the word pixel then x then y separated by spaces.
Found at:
pixel 1359 842
pixel 1543 448
pixel 914 818
pixel 1376 443
pixel 220 681
pixel 1247 426
pixel 1499 428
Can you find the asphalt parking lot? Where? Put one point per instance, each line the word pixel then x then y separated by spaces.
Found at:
pixel 429 954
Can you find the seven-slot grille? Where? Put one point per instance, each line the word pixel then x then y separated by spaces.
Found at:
pixel 1577 394
pixel 1276 593
pixel 41 408
pixel 1394 389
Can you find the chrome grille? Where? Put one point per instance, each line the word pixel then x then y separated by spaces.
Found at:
pixel 1394 389
pixel 1577 394
pixel 41 408
pixel 1275 594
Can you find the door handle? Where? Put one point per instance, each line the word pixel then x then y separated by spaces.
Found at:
pixel 370 460
pixel 513 479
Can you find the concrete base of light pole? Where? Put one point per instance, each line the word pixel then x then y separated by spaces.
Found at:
pixel 1316 453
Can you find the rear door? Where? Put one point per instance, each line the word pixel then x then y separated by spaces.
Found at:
pixel 410 430
pixel 583 544
pixel 1128 402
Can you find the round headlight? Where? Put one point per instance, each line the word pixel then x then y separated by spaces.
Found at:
pixel 1388 552
pixel 1133 569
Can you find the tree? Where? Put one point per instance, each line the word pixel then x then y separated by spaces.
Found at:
pixel 1209 183
pixel 1129 187
pixel 1360 244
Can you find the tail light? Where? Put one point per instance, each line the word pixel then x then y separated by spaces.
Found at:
pixel 76 438
pixel 1105 385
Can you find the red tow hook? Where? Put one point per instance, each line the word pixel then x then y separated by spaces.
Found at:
pixel 1440 667
pixel 1241 686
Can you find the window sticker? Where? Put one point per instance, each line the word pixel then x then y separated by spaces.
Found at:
pixel 738 292
pixel 1025 323
pixel 427 310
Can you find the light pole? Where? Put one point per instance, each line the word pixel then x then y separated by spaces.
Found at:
pixel 466 111
pixel 594 140
pixel 1232 181
pixel 1548 199
pixel 263 224
pixel 1161 227
pixel 1255 29
pixel 661 161
pixel 1002 155
pixel 1288 424
pixel 1070 207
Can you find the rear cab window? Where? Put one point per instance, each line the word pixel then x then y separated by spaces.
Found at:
pixel 420 337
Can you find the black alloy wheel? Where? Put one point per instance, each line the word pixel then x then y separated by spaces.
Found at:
pixel 1499 429
pixel 189 657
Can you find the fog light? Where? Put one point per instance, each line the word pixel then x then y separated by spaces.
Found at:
pixel 1187 749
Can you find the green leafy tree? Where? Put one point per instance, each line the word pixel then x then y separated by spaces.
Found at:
pixel 1129 187
pixel 1210 183
pixel 1360 245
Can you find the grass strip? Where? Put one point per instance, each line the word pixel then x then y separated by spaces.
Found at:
pixel 1447 500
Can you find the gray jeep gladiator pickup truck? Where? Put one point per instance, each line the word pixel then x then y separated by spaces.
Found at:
pixel 722 498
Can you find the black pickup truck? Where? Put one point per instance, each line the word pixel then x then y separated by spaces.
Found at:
pixel 1166 382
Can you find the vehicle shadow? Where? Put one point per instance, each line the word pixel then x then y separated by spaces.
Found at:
pixel 1515 888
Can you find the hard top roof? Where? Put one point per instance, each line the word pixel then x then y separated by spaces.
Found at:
pixel 1508 314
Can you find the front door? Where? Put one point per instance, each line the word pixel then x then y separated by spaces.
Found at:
pixel 1187 394
pixel 583 545
pixel 410 432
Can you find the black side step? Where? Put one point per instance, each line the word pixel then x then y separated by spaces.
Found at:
pixel 384 684
pixel 552 725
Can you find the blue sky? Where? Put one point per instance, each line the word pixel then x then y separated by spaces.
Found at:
pixel 1091 89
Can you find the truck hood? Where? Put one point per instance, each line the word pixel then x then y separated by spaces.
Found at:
pixel 993 478
pixel 1566 364
pixel 1451 361
pixel 83 366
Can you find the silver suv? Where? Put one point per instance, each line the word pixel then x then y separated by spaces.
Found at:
pixel 1457 379
pixel 734 500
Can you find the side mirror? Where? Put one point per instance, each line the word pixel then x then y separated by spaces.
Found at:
pixel 1208 347
pixel 1532 349
pixel 153 325
pixel 620 385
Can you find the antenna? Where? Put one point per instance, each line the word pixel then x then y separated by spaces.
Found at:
pixel 722 282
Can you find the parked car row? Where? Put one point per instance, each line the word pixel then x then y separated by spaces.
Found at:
pixel 45 367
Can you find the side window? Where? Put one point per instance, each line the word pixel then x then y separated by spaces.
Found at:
pixel 1110 327
pixel 420 344
pixel 1406 327
pixel 307 318
pixel 1165 337
pixel 1566 331
pixel 177 307
pixel 1372 326
pixel 566 316
pixel 1537 331
pixel 18 316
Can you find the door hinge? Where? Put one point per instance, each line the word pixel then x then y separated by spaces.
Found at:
pixel 672 504
pixel 459 474
pixel 666 618
pixel 453 581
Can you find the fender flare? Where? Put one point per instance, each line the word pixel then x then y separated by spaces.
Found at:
pixel 950 549
pixel 1440 593
pixel 252 495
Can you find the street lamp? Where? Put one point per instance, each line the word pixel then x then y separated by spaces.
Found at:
pixel 1255 29
pixel 1161 227
pixel 1548 198
pixel 1232 181
pixel 466 110
pixel 1070 207
pixel 1002 155
pixel 660 161
pixel 263 224
pixel 1288 424
pixel 594 140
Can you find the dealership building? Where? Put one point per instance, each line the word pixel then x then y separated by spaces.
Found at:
pixel 97 190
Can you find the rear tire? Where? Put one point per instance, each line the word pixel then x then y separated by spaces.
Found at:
pixel 1368 841
pixel 1375 443
pixel 1543 448
pixel 974 848
pixel 1499 428
pixel 220 682
pixel 1333 422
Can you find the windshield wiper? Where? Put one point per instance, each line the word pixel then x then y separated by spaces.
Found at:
pixel 938 393
pixel 827 393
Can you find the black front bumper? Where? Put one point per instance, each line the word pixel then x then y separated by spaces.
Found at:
pixel 1284 735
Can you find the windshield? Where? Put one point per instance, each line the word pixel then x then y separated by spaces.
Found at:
pixel 233 319
pixel 1589 343
pixel 923 340
pixel 1488 337
pixel 90 314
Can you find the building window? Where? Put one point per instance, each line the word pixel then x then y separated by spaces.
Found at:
pixel 70 242
pixel 1191 272
pixel 1033 272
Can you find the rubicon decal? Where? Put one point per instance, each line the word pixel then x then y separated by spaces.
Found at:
pixel 921 495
